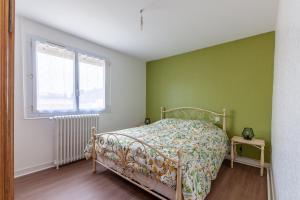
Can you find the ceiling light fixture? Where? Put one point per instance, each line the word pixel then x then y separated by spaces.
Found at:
pixel 142 19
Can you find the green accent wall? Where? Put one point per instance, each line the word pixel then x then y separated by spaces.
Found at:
pixel 236 75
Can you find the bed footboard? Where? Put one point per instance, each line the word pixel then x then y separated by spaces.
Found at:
pixel 127 159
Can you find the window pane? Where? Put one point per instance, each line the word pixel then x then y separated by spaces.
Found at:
pixel 55 71
pixel 91 83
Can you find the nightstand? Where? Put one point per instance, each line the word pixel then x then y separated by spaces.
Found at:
pixel 260 144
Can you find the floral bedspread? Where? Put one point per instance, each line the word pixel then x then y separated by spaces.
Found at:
pixel 203 145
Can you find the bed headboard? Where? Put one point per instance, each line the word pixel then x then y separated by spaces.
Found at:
pixel 195 113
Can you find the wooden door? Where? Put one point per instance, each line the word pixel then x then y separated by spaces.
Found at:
pixel 7 17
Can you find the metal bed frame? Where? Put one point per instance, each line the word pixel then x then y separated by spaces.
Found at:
pixel 126 160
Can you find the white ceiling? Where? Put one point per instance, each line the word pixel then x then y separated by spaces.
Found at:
pixel 171 26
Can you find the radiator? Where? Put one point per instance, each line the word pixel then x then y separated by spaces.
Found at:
pixel 72 133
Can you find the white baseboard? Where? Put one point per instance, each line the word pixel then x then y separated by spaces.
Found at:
pixel 33 169
pixel 248 161
pixel 271 188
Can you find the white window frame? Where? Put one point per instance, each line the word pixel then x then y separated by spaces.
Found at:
pixel 30 92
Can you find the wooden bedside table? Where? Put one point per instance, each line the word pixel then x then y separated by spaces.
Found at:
pixel 260 144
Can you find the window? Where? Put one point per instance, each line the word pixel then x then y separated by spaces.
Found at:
pixel 66 80
pixel 55 82
pixel 91 83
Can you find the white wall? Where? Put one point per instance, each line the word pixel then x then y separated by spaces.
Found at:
pixel 286 103
pixel 34 138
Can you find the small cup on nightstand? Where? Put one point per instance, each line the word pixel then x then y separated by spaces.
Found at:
pixel 147 121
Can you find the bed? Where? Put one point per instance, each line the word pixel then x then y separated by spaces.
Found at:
pixel 174 158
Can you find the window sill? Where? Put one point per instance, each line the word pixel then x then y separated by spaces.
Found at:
pixel 36 116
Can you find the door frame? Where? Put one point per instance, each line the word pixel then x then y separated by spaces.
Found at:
pixel 7 32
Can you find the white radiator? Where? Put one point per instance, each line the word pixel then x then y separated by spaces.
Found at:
pixel 72 133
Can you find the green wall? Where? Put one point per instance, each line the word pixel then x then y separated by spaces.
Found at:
pixel 236 75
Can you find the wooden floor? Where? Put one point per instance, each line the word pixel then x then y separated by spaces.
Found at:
pixel 76 182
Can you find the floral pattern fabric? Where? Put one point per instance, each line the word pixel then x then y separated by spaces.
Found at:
pixel 203 146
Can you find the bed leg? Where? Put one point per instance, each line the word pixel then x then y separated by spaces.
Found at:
pixel 94 149
pixel 162 112
pixel 179 177
pixel 224 120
